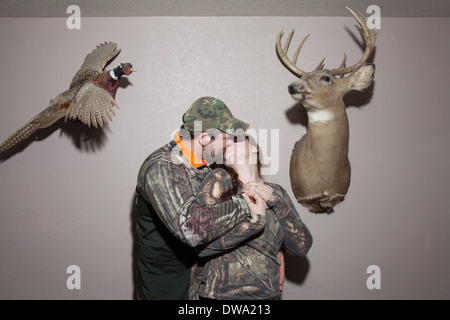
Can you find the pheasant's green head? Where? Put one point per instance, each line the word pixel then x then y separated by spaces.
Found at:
pixel 123 69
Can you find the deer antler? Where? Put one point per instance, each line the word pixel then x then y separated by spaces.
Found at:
pixel 291 65
pixel 370 36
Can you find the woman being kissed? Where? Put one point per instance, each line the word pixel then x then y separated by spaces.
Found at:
pixel 243 264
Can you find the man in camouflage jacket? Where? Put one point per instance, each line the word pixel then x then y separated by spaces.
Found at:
pixel 170 220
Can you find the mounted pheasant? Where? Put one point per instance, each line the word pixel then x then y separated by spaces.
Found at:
pixel 90 97
pixel 320 168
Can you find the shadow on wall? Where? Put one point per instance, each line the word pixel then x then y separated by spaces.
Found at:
pixel 296 268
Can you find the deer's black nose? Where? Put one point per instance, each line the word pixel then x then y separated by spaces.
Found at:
pixel 293 88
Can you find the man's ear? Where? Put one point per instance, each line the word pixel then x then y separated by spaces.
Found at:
pixel 362 78
pixel 204 139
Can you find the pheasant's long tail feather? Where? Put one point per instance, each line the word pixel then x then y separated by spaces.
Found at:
pixel 44 119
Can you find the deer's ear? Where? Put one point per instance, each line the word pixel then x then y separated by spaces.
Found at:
pixel 362 78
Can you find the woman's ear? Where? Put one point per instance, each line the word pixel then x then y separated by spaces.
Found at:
pixel 254 148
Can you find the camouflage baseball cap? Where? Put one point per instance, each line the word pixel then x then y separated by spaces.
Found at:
pixel 213 114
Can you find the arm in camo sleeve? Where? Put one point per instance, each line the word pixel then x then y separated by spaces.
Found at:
pixel 168 188
pixel 297 238
pixel 235 237
pixel 212 187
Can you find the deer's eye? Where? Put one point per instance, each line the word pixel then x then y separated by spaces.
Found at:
pixel 325 78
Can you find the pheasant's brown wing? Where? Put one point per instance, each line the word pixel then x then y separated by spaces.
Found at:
pixel 96 61
pixel 44 119
pixel 92 106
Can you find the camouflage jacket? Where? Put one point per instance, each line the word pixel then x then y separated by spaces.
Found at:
pixel 243 263
pixel 170 221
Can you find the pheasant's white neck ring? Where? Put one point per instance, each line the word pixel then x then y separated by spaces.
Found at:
pixel 113 74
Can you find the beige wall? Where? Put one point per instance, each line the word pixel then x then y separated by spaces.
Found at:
pixel 67 197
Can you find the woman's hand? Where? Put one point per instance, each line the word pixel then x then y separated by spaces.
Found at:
pixel 263 189
pixel 255 203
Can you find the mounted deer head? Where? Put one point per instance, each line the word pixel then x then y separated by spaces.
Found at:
pixel 319 167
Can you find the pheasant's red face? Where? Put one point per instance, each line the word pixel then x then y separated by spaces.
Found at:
pixel 127 68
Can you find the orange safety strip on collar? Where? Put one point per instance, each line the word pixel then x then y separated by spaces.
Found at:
pixel 189 155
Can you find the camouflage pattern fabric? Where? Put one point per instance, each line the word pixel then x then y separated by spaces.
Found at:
pixel 171 221
pixel 242 264
pixel 212 113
